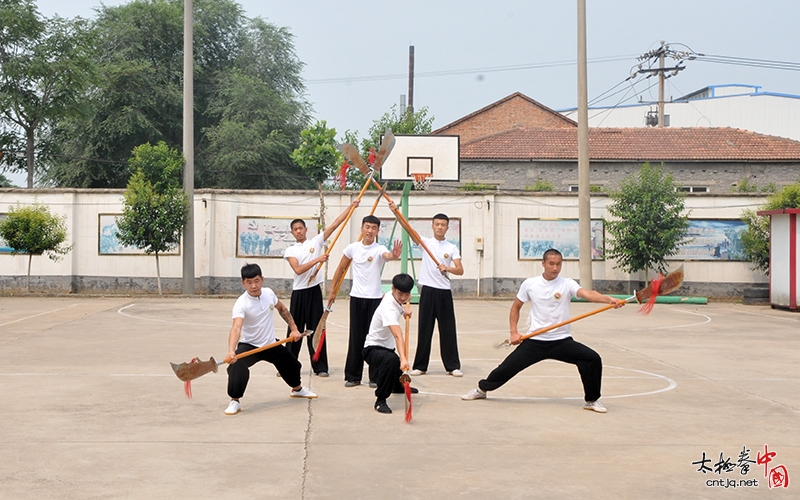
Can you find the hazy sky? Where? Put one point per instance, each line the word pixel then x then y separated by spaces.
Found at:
pixel 470 53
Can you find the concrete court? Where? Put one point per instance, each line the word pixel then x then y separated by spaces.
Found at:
pixel 91 409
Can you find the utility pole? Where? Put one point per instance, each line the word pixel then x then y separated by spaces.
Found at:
pixel 411 79
pixel 661 88
pixel 584 196
pixel 661 53
pixel 188 145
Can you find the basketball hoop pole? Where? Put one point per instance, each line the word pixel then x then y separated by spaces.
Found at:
pixel 404 237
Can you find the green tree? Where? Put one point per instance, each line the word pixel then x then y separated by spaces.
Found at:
pixel 33 230
pixel 249 104
pixel 46 66
pixel 417 122
pixel 318 157
pixel 5 182
pixel 755 239
pixel 648 220
pixel 155 207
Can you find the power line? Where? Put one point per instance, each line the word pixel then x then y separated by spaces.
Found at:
pixel 492 69
pixel 746 61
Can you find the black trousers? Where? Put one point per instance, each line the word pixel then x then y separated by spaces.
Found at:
pixel 385 363
pixel 531 351
pixel 361 311
pixel 306 309
pixel 436 305
pixel 280 356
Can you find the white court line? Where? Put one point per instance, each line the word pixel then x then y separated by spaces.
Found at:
pixel 119 311
pixel 37 315
pixel 793 320
pixel 671 384
pixel 708 320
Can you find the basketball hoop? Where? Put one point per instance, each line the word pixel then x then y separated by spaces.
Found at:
pixel 422 181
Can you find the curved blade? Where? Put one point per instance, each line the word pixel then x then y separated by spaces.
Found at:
pixel 386 147
pixel 354 157
pixel 671 282
pixel 194 369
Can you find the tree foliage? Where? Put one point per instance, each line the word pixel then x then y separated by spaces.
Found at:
pixel 155 207
pixel 46 67
pixel 33 230
pixel 249 105
pixel 755 239
pixel 648 220
pixel 318 157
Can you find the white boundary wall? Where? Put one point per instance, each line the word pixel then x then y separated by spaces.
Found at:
pixel 487 215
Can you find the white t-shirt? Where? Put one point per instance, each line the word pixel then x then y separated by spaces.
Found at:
pixel 366 268
pixel 549 304
pixel 305 252
pixel 387 314
pixel 446 253
pixel 258 328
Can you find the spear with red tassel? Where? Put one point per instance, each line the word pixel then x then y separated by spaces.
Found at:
pixel 661 285
pixel 405 379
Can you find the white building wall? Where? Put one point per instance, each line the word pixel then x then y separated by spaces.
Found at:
pixel 763 113
pixel 492 217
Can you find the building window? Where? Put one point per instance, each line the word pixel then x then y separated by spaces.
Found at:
pixel 593 188
pixel 693 189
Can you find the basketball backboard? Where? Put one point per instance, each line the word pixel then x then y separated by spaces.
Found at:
pixel 437 155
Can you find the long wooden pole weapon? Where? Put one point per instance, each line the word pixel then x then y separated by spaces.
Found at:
pixel 195 368
pixel 353 157
pixel 405 378
pixel 659 286
pixel 340 230
pixel 320 331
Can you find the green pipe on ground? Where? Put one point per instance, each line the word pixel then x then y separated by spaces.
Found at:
pixel 663 299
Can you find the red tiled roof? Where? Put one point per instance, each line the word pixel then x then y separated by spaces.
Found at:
pixel 443 130
pixel 635 144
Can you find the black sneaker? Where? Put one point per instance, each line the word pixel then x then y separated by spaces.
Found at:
pixel 382 407
pixel 372 384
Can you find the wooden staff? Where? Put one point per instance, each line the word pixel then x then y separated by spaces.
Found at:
pixel 341 229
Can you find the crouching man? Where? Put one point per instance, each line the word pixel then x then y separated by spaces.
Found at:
pixel 384 348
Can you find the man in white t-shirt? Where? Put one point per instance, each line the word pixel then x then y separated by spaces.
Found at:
pixel 385 335
pixel 550 296
pixel 306 303
pixel 252 328
pixel 436 300
pixel 367 257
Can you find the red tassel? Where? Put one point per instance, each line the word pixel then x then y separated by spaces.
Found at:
pixel 407 387
pixel 372 156
pixel 318 352
pixel 341 177
pixel 647 307
pixel 187 386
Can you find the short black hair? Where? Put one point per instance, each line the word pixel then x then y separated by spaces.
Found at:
pixel 551 251
pixel 403 282
pixel 250 271
pixel 371 219
pixel 296 221
pixel 442 217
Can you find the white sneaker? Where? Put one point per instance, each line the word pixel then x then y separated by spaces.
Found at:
pixel 474 394
pixel 304 392
pixel 233 408
pixel 416 373
pixel 595 406
pixel 457 373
